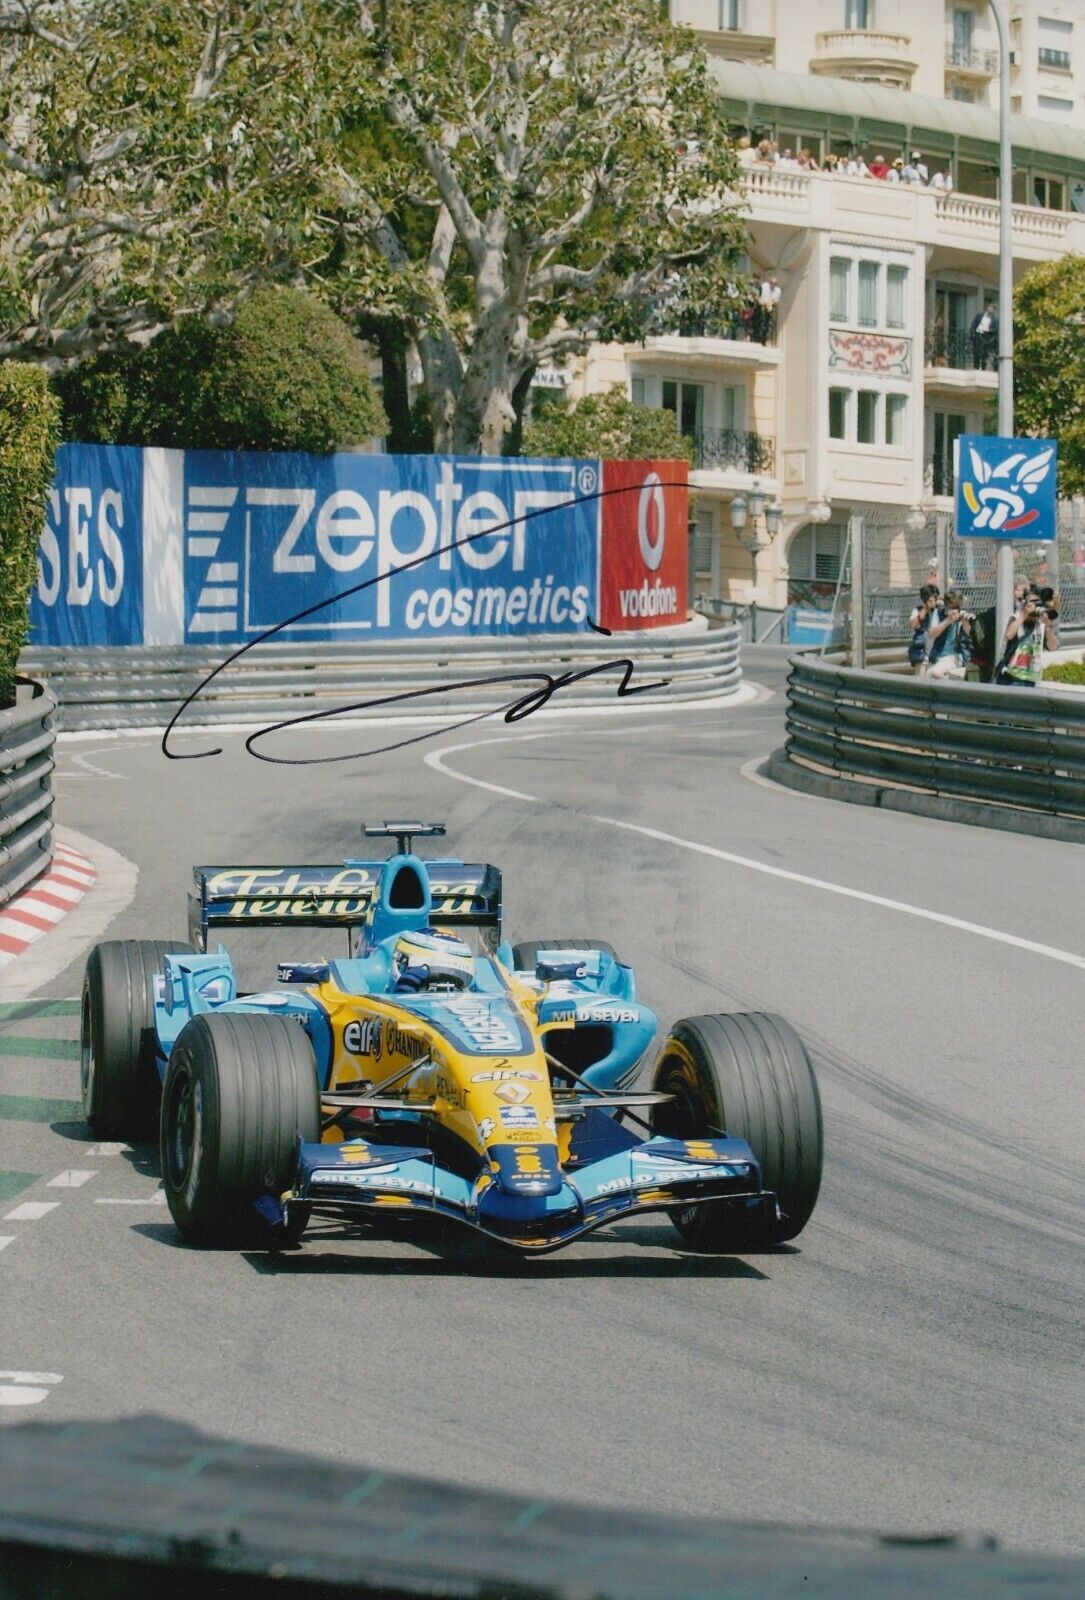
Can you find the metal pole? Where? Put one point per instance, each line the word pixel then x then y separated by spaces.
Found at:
pixel 858 590
pixel 1004 572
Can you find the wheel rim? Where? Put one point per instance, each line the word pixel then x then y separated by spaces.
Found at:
pixel 183 1123
pixel 86 1053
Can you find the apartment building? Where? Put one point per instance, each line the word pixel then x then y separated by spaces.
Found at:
pixel 851 396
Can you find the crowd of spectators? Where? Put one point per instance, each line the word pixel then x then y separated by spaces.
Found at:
pixel 766 155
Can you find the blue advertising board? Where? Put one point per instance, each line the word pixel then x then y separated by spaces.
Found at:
pixel 90 560
pixel 1006 488
pixel 367 546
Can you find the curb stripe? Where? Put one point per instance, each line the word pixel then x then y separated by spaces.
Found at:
pixel 47 1049
pixel 31 1108
pixel 33 914
pixel 13 1183
pixel 26 1010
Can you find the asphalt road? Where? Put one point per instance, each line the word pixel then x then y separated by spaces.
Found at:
pixel 914 1363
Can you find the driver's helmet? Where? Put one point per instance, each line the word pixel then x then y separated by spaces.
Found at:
pixel 431 961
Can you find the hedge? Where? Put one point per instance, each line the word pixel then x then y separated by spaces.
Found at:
pixel 287 374
pixel 29 434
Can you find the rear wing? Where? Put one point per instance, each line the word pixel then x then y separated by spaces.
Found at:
pixel 465 895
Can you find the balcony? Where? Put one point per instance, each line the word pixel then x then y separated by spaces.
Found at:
pixel 963 61
pixel 938 475
pixel 865 54
pixel 723 449
pixel 1031 224
pixel 960 357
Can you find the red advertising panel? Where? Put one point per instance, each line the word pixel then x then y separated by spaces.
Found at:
pixel 644 546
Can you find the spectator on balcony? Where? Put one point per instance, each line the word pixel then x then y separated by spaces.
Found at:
pixel 909 173
pixel 878 168
pixel 984 332
pixel 920 166
pixel 832 165
pixel 895 171
pixel 747 155
pixel 807 161
pixel 942 182
pixel 766 153
pixel 765 310
pixel 855 166
pixel 787 162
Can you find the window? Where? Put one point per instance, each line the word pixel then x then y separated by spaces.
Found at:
pixel 857 13
pixel 868 294
pixel 729 16
pixel 839 284
pixel 1052 102
pixel 1055 40
pixel 896 416
pixel 704 545
pixel 686 400
pixel 1048 192
pixel 896 287
pixel 867 429
pixel 636 391
pixel 964 20
pixel 838 413
pixel 814 554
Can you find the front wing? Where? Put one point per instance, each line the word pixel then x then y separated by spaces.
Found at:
pixel 657 1174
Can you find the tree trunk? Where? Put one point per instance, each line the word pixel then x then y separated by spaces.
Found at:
pixel 391 342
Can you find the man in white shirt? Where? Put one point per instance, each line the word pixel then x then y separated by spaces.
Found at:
pixel 920 166
pixel 765 311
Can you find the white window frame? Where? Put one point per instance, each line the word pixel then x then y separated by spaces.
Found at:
pixel 729 18
pixel 882 260
pixel 653 380
pixel 879 445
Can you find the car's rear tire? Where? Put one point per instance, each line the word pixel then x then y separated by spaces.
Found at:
pixel 241 1089
pixel 748 1076
pixel 525 954
pixel 117 1068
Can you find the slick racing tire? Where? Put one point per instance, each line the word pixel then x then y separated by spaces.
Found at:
pixel 241 1089
pixel 748 1076
pixel 525 954
pixel 117 1068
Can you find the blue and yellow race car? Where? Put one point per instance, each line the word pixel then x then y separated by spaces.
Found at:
pixel 438 1071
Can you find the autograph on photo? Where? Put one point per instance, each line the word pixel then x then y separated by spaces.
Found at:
pixel 546 684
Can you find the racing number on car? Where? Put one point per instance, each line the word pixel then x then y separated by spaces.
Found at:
pixel 527 1160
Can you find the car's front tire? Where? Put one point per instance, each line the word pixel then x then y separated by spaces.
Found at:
pixel 117 1068
pixel 748 1076
pixel 240 1091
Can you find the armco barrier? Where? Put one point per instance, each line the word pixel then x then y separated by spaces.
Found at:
pixel 26 799
pixel 98 687
pixel 1012 753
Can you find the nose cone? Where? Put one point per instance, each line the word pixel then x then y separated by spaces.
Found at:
pixel 527 1169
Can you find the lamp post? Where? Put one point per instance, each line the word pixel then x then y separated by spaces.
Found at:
pixel 1004 570
pixel 746 510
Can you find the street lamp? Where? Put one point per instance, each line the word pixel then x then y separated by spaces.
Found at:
pixel 1004 570
pixel 746 511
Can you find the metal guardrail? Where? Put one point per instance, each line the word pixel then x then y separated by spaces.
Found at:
pixel 1014 747
pixel 26 798
pixel 106 688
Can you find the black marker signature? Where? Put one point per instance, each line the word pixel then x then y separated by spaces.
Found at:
pixel 513 711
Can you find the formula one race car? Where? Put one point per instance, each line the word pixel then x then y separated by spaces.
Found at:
pixel 437 1071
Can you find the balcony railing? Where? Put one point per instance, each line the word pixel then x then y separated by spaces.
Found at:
pixel 716 449
pixel 938 474
pixel 751 325
pixel 964 352
pixel 977 63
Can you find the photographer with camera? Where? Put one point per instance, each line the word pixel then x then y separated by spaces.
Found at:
pixel 950 643
pixel 1028 635
pixel 920 624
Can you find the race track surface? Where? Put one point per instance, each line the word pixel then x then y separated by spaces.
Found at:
pixel 912 1363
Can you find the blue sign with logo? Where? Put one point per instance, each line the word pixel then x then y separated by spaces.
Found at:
pixel 349 547
pixel 90 560
pixel 1006 488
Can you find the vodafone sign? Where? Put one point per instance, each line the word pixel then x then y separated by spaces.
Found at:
pixel 644 544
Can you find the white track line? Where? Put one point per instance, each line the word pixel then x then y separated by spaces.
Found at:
pixel 71 1178
pixel 436 760
pixel 26 1388
pixel 31 1210
pixel 6 1239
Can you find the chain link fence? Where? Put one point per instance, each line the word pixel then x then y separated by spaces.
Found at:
pixel 902 552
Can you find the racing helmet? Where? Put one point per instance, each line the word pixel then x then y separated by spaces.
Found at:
pixel 431 960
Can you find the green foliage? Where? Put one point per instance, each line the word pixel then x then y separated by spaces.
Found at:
pixel 287 374
pixel 1049 362
pixel 1066 672
pixel 29 435
pixel 611 426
